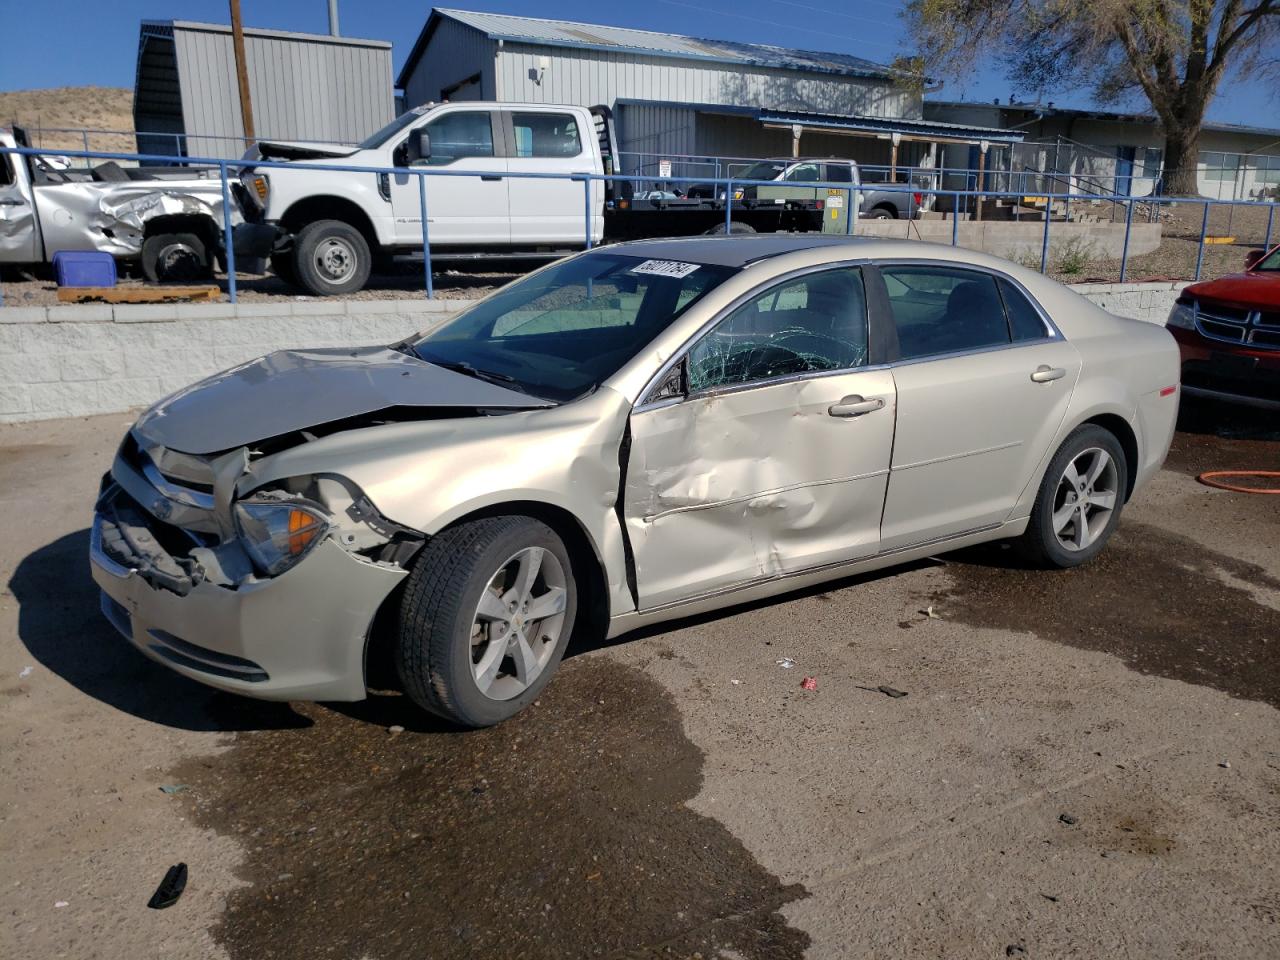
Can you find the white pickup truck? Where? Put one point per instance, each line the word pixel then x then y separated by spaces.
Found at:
pixel 331 226
pixel 169 221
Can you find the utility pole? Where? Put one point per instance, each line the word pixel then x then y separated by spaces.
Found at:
pixel 333 18
pixel 242 72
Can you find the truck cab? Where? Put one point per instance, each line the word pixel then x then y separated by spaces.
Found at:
pixel 331 225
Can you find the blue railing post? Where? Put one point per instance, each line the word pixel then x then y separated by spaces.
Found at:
pixel 955 219
pixel 1271 215
pixel 1124 251
pixel 1204 229
pixel 728 206
pixel 228 238
pixel 1044 243
pixel 586 208
pixel 426 246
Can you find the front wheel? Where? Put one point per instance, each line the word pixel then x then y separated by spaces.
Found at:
pixel 175 258
pixel 486 615
pixel 1079 502
pixel 331 258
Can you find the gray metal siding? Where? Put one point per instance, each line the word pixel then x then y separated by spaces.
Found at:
pixel 588 77
pixel 302 89
pixel 455 53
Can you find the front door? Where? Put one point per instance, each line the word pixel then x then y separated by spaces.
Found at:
pixel 547 210
pixel 773 458
pixel 18 239
pixel 983 384
pixel 460 209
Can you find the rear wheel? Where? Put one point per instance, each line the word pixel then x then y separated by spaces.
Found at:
pixel 175 258
pixel 486 615
pixel 331 258
pixel 736 227
pixel 882 213
pixel 1080 499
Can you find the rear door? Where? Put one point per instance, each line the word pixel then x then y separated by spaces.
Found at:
pixel 460 209
pixel 547 210
pixel 983 382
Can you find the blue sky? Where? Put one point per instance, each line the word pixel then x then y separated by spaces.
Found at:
pixel 76 42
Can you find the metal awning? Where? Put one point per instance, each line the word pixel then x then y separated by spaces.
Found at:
pixel 931 131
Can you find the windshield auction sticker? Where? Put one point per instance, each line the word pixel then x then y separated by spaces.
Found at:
pixel 665 268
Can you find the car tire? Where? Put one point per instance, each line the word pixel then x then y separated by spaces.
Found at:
pixel 175 258
pixel 1077 484
pixel 456 655
pixel 881 213
pixel 734 228
pixel 282 266
pixel 331 258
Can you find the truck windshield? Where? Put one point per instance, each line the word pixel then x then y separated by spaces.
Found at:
pixel 764 170
pixel 563 331
pixel 390 130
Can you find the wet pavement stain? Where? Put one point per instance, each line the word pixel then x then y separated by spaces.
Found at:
pixel 562 833
pixel 1152 598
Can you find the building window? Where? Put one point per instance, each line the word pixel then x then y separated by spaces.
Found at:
pixel 1220 166
pixel 1266 170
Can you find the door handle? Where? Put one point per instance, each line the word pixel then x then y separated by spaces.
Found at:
pixel 9 202
pixel 855 406
pixel 1045 373
pixel 490 178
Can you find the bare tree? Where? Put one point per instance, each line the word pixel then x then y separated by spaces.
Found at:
pixel 1174 53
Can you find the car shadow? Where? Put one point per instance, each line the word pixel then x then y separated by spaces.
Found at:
pixel 59 622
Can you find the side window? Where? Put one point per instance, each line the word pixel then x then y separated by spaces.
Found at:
pixel 839 173
pixel 460 134
pixel 943 309
pixel 546 135
pixel 6 171
pixel 813 323
pixel 1023 318
pixel 804 173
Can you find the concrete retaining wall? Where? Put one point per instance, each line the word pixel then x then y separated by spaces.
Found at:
pixel 73 361
pixel 1023 241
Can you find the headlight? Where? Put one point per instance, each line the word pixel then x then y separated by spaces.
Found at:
pixel 279 533
pixel 1182 315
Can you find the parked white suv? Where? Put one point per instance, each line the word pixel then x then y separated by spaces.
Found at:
pixel 331 225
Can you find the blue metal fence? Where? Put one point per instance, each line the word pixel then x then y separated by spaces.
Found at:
pixel 593 221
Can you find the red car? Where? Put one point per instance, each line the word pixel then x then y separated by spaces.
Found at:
pixel 1229 333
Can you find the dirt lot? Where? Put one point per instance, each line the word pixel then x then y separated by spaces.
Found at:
pixel 73 108
pixel 1087 764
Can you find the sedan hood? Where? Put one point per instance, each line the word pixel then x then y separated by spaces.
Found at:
pixel 1257 290
pixel 298 389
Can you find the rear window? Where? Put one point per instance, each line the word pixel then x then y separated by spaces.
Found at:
pixel 1024 321
pixel 546 135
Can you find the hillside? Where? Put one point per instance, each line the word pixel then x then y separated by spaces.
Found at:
pixel 77 108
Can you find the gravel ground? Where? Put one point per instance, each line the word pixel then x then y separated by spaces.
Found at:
pixel 1085 765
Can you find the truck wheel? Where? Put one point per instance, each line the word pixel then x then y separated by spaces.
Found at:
pixel 330 258
pixel 734 228
pixel 882 213
pixel 175 258
pixel 486 614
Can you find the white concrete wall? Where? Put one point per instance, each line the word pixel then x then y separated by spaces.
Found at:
pixel 74 361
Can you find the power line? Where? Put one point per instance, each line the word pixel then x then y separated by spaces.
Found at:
pixel 834 13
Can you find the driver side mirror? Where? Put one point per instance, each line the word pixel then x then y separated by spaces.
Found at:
pixel 1252 257
pixel 421 141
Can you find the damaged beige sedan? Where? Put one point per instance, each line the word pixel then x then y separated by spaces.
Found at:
pixel 628 436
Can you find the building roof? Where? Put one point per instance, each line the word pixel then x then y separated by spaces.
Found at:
pixel 167 27
pixel 598 37
pixel 1091 113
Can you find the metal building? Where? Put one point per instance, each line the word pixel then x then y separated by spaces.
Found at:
pixel 303 86
pixel 681 96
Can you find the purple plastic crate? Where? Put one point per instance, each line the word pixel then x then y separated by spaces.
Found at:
pixel 84 268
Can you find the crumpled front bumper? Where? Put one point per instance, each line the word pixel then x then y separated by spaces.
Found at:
pixel 297 636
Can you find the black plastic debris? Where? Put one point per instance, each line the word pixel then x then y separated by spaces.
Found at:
pixel 1015 950
pixel 1068 819
pixel 170 889
pixel 890 692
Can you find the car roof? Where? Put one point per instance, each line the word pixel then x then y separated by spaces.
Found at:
pixel 734 251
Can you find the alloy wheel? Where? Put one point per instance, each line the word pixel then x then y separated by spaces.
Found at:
pixel 1085 499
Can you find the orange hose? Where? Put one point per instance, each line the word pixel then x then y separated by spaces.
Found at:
pixel 1210 479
